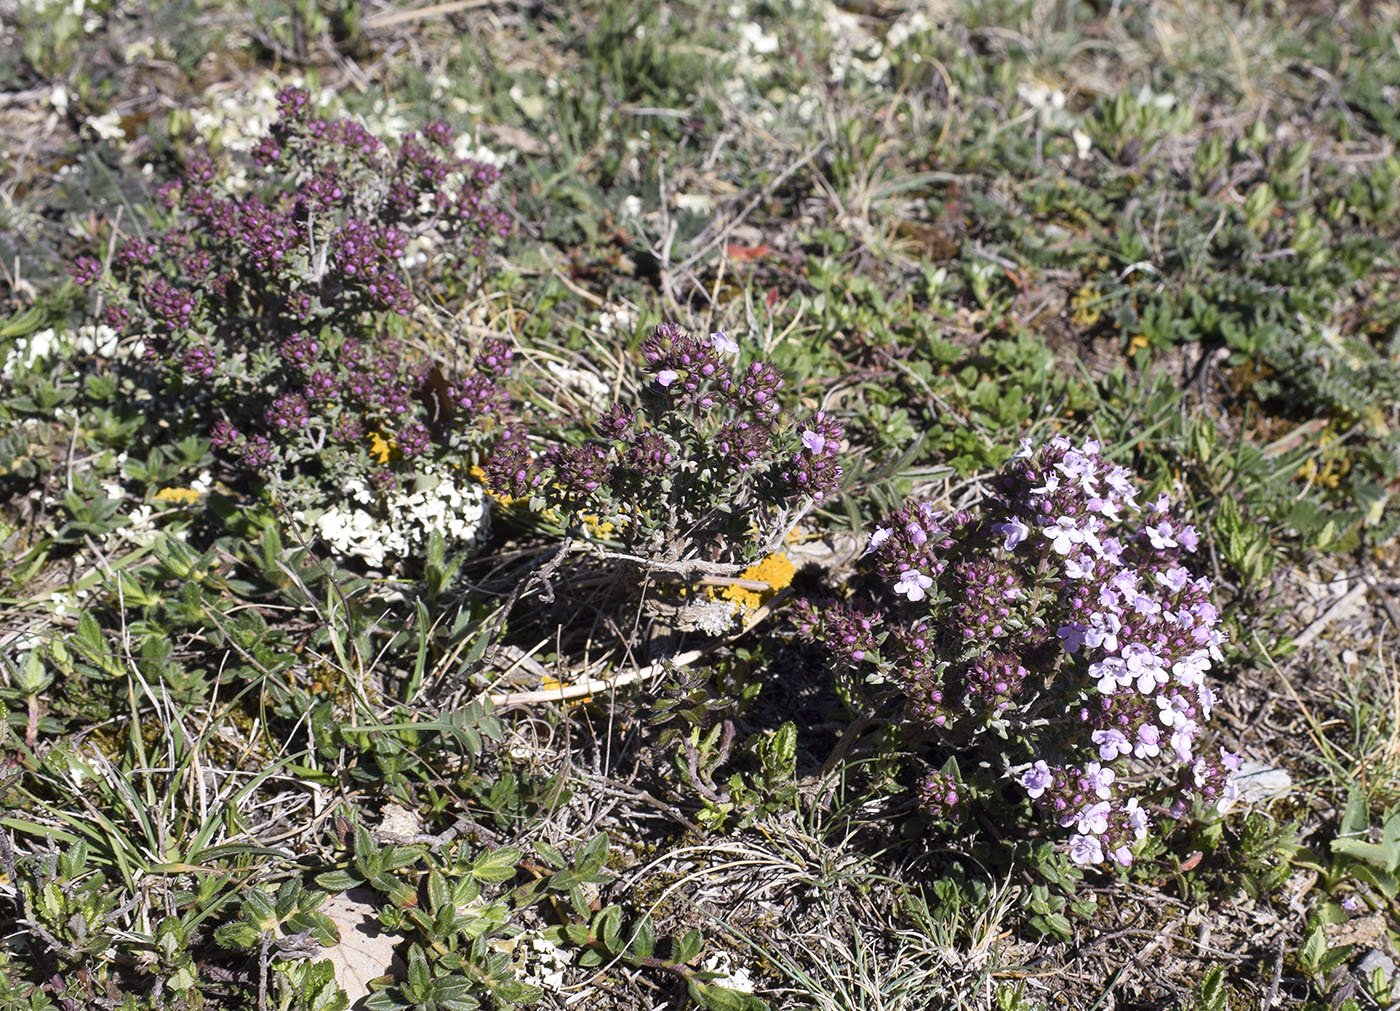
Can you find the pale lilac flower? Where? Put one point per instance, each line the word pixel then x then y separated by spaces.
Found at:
pixel 1036 779
pixel 1112 743
pixel 1112 673
pixel 1120 479
pixel 1093 819
pixel 1189 537
pixel 1172 710
pixel 1230 760
pixel 1125 582
pixel 1190 670
pixel 1161 536
pixel 1099 779
pixel 1085 850
pixel 1064 533
pixel 1051 485
pixel 1182 740
pixel 1228 795
pixel 880 536
pixel 1143 604
pixel 1137 818
pixel 1206 695
pixel 913 584
pixel 1014 530
pixel 1103 631
pixel 1149 740
pixel 723 343
pixel 1174 579
pixel 1080 567
pixel 1122 856
pixel 667 376
pixel 815 442
pixel 1351 903
pixel 1105 507
pixel 1144 665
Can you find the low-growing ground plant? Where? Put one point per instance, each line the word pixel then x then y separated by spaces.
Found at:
pixel 1052 633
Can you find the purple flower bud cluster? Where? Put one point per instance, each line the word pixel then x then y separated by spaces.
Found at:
pixel 200 364
pixel 86 270
pixel 288 413
pixel 943 797
pixel 276 296
pixel 509 467
pixel 1062 613
pixel 367 256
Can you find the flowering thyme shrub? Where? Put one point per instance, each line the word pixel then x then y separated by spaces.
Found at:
pixel 273 295
pixel 1056 624
pixel 704 474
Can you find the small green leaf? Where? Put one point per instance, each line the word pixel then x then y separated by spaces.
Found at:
pixel 589 860
pixel 1310 956
pixel 338 881
pixel 686 947
pixel 497 865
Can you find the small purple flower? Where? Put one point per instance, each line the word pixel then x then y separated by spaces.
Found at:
pixel 1085 850
pixel 199 364
pixel 288 412
pixel 223 435
pixel 1013 530
pixel 1037 779
pixel 1112 743
pixel 86 270
pixel 1098 779
pixel 1073 636
pixel 913 584
pixel 880 536
pixel 723 343
pixel 1064 533
pixel 667 376
pixel 258 452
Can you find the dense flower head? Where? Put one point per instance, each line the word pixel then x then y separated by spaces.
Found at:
pixel 686 368
pixel 942 796
pixel 199 364
pixel 510 468
pixel 86 270
pixel 1062 610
